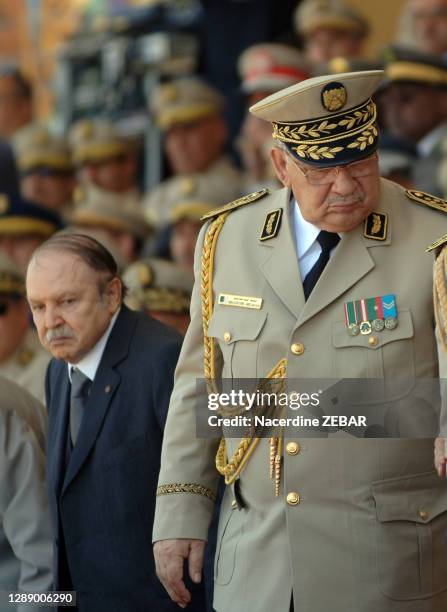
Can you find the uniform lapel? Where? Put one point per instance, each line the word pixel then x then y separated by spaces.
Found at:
pixel 350 262
pixel 104 387
pixel 281 268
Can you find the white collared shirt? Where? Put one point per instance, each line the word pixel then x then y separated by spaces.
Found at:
pixel 307 246
pixel 90 363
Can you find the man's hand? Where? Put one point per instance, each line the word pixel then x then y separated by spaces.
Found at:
pixel 169 556
pixel 441 456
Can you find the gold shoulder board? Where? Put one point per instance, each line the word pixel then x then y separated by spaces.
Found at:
pixel 248 199
pixel 426 199
pixel 437 243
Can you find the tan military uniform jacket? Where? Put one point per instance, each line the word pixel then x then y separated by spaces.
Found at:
pixel 28 365
pixel 368 533
pixel 159 202
pixel 25 534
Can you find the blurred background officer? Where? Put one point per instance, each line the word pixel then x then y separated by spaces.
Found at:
pixel 192 197
pixel 105 159
pixel 189 112
pixel 23 227
pixel 424 26
pixel 162 289
pixel 264 69
pixel 119 217
pixel 107 391
pixel 22 358
pixel 412 78
pixel 16 102
pixel 25 532
pixel 330 28
pixel 46 169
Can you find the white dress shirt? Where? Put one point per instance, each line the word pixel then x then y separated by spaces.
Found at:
pixel 90 363
pixel 307 247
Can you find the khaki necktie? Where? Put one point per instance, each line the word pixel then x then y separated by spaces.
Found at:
pixel 80 387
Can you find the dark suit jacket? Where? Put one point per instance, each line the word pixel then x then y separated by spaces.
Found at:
pixel 102 502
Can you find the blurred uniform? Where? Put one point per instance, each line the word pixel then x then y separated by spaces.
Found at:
pixel 45 167
pixel 264 69
pixel 119 216
pixel 27 363
pixel 24 226
pixel 25 531
pixel 330 28
pixel 162 289
pixel 192 197
pixel 415 108
pixel 104 158
pixel 189 112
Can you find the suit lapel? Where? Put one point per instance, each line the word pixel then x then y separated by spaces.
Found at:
pixel 281 268
pixel 104 387
pixel 60 408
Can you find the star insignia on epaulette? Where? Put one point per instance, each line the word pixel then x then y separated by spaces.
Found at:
pixel 427 199
pixel 248 199
pixel 437 243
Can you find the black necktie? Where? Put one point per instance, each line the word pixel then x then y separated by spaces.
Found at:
pixel 327 241
pixel 80 387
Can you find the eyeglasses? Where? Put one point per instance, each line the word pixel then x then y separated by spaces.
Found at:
pixel 326 176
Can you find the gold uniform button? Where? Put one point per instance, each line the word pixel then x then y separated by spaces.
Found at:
pixel 293 448
pixel 227 336
pixel 423 514
pixel 373 341
pixel 297 348
pixel 293 498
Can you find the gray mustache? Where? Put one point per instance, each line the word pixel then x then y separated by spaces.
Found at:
pixel 59 332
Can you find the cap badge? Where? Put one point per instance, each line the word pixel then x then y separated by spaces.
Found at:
pixel 144 275
pixel 187 186
pixel 333 96
pixel 168 93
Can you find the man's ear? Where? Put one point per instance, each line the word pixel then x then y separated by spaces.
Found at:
pixel 113 293
pixel 279 161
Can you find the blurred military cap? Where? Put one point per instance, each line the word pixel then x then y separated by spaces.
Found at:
pixel 111 211
pixel 11 278
pixel 403 65
pixel 193 196
pixel 96 141
pixel 22 217
pixel 158 285
pixel 271 66
pixel 185 100
pixel 35 147
pixel 327 120
pixel 312 15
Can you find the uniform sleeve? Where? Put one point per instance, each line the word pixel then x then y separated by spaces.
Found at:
pixel 188 477
pixel 23 503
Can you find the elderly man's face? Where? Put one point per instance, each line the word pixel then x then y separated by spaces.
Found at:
pixel 195 146
pixel 72 305
pixel 13 324
pixel 430 25
pixel 339 206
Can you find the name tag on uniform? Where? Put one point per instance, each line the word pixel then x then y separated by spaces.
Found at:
pixel 243 301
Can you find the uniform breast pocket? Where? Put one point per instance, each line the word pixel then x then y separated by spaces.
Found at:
pixel 388 355
pixel 411 530
pixel 237 332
